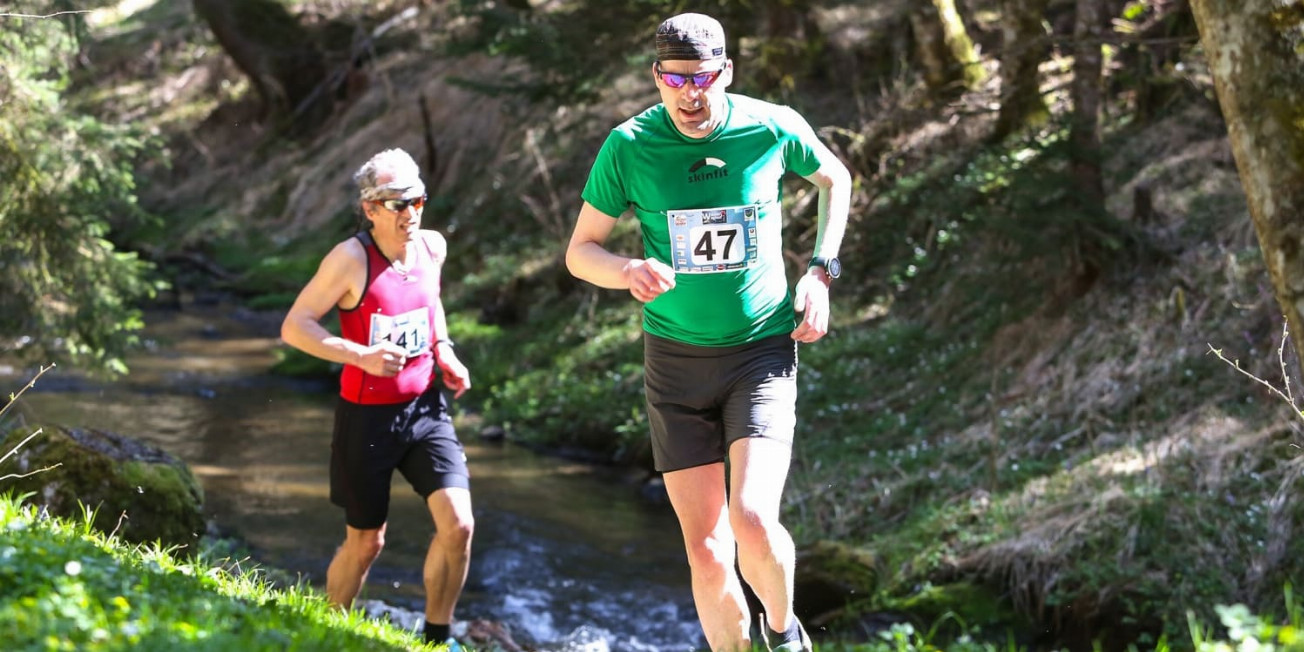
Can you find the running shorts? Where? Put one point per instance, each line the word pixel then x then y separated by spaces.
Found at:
pixel 370 441
pixel 701 399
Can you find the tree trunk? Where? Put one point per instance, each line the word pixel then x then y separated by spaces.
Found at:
pixel 1257 64
pixel 930 41
pixel 1023 47
pixel 944 46
pixel 1088 25
pixel 276 52
pixel 959 44
pixel 1085 257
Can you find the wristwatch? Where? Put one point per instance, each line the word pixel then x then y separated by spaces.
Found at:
pixel 832 266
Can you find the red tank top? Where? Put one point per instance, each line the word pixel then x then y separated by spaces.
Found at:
pixel 395 306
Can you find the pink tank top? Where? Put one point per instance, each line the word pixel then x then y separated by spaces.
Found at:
pixel 396 306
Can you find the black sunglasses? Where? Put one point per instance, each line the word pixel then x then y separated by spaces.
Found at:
pixel 401 205
pixel 702 80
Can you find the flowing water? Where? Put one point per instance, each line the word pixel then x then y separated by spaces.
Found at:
pixel 559 547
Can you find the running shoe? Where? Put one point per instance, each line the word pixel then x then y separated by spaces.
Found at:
pixel 802 645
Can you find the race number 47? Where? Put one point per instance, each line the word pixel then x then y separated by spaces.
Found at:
pixel 717 244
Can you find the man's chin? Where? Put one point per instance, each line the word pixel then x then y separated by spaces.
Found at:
pixel 693 126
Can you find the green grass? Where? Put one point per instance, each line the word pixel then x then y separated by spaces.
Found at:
pixel 66 586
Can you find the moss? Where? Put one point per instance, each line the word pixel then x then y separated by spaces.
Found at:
pixel 973 604
pixel 136 490
pixel 831 575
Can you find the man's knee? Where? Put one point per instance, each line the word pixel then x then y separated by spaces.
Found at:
pixel 711 554
pixel 458 537
pixel 755 529
pixel 365 544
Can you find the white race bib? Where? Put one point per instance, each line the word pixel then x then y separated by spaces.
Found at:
pixel 410 330
pixel 705 241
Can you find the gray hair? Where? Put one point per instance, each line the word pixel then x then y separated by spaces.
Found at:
pixel 404 177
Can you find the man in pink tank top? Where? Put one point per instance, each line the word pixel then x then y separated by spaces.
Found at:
pixel 391 414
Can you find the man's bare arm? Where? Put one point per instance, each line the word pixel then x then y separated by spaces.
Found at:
pixel 588 258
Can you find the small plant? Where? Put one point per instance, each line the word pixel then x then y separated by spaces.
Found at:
pixel 1248 631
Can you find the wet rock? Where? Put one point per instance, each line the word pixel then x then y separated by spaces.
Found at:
pixel 654 491
pixel 404 619
pixel 584 639
pixel 495 434
pixel 137 491
pixel 479 634
pixel 829 575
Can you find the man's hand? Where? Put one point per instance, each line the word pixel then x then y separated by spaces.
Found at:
pixel 812 299
pixel 456 377
pixel 648 278
pixel 383 359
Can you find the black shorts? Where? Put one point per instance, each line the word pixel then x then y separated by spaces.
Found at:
pixel 701 399
pixel 370 441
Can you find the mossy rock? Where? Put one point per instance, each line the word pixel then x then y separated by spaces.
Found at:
pixel 111 474
pixel 830 575
pixel 975 605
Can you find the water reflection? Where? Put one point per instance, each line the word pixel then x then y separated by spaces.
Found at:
pixel 558 545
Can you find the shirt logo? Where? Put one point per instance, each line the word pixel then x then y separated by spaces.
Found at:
pixel 706 169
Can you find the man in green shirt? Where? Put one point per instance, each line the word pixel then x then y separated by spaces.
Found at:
pixel 702 172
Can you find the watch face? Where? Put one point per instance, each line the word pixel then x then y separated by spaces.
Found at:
pixel 834 267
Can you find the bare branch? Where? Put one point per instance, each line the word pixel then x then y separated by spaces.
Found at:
pixel 14 397
pixel 1284 397
pixel 1281 358
pixel 20 476
pixel 121 518
pixel 20 445
pixel 53 15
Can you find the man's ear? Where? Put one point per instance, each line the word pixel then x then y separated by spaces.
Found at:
pixel 655 77
pixel 727 75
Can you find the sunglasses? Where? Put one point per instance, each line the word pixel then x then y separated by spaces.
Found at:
pixel 401 205
pixel 702 80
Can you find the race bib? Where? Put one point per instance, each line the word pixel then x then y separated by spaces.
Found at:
pixel 705 241
pixel 410 330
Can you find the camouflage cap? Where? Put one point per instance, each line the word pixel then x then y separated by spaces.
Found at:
pixel 690 37
pixel 401 174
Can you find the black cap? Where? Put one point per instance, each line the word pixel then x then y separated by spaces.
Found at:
pixel 690 37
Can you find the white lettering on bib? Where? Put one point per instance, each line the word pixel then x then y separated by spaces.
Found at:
pixel 410 330
pixel 705 241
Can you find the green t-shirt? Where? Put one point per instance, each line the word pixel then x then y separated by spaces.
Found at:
pixel 709 208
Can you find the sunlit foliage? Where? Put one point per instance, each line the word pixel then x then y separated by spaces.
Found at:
pixel 66 292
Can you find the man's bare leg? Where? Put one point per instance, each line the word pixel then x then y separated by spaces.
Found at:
pixel 766 556
pixel 449 556
pixel 698 496
pixel 348 570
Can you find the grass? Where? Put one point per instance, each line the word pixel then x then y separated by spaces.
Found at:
pixel 67 586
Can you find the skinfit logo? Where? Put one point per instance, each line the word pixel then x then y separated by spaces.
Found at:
pixel 707 168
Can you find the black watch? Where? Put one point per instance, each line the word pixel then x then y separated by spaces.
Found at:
pixel 832 266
